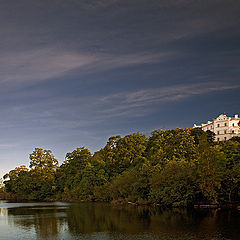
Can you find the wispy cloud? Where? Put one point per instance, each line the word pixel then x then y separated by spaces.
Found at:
pixel 85 111
pixel 39 64
pixel 143 101
pixel 110 61
pixel 47 63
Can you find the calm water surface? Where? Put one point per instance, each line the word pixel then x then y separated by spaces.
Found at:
pixel 106 222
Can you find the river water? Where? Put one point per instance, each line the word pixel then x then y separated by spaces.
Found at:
pixel 106 222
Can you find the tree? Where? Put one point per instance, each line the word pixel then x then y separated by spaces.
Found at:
pixel 235 139
pixel 11 179
pixel 170 145
pixel 91 177
pixel 43 161
pixel 210 137
pixel 210 168
pixel 175 185
pixel 70 172
pixel 198 133
pixel 231 175
pixel 121 153
pixel 132 184
pixel 43 167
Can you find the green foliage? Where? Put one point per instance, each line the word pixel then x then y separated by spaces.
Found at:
pixel 132 184
pixel 198 133
pixel 231 174
pixel 210 137
pixel 80 174
pixel 170 145
pixel 37 183
pixel 121 153
pixel 210 168
pixel 178 167
pixel 13 179
pixel 175 185
pixel 90 178
pixel 235 139
pixel 70 172
pixel 43 161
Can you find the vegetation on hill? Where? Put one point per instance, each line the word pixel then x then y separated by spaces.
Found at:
pixel 178 167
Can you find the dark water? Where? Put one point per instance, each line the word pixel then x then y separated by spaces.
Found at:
pixel 105 221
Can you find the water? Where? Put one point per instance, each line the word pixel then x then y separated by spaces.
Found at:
pixel 106 222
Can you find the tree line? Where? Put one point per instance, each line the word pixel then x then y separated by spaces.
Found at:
pixel 178 167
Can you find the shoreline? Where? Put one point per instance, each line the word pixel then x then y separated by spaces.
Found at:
pixel 14 198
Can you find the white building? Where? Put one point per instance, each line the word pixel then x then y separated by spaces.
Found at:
pixel 224 127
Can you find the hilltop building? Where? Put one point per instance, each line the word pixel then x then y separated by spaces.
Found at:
pixel 224 127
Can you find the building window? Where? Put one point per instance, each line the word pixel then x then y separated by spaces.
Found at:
pixel 225 131
pixel 225 138
pixel 218 125
pixel 232 131
pixel 218 139
pixel 233 124
pixel 218 132
pixel 225 124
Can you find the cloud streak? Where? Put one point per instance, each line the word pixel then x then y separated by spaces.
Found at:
pixel 48 63
pixel 144 101
pixel 39 64
pixel 81 112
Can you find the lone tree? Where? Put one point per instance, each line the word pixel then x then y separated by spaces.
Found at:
pixel 43 167
pixel 43 161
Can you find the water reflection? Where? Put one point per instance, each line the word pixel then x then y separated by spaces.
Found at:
pixel 45 220
pixel 3 212
pixel 105 221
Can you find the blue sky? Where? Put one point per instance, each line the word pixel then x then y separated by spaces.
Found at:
pixel 74 73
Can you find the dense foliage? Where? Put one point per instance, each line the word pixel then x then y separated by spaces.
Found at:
pixel 178 167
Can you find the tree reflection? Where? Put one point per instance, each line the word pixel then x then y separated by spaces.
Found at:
pixel 88 220
pixel 46 220
pixel 3 212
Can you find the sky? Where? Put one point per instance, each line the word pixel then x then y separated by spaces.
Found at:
pixel 75 72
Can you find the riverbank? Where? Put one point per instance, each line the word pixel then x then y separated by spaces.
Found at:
pixel 15 198
pixel 11 197
pixel 202 206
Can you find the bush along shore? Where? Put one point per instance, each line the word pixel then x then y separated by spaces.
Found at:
pixel 171 168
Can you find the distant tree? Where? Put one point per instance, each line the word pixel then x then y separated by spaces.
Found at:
pixel 11 178
pixel 132 184
pixel 210 168
pixel 235 139
pixel 121 153
pixel 90 178
pixel 231 174
pixel 198 133
pixel 70 172
pixel 210 136
pixel 43 161
pixel 175 185
pixel 170 145
pixel 42 172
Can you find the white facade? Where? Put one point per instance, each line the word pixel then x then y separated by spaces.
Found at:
pixel 224 127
